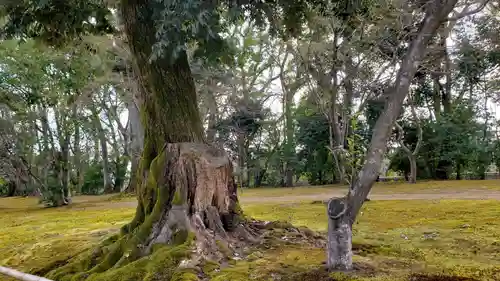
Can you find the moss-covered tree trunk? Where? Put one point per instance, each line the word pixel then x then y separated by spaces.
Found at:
pixel 184 185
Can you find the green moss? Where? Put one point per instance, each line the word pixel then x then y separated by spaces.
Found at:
pixel 231 276
pixel 178 200
pixel 209 266
pixel 180 237
pixel 255 256
pixel 162 264
pixel 185 275
pixel 340 276
pixel 224 248
pixel 33 239
pixel 237 209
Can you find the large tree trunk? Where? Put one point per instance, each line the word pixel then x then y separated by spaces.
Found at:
pixel 185 185
pixel 342 213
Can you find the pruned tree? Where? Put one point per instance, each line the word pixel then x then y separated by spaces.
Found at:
pixel 343 212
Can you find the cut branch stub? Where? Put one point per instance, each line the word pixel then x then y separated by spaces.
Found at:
pixel 339 244
pixel 336 208
pixel 200 194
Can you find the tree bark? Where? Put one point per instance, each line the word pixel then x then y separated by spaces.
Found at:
pixel 339 237
pixel 339 246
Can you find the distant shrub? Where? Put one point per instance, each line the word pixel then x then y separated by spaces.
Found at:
pixel 93 180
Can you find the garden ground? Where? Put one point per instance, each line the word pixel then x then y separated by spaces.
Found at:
pixel 431 228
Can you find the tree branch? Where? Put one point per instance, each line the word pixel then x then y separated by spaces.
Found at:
pixel 400 139
pixel 465 12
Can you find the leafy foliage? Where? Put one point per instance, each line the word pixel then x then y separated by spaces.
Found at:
pixel 56 22
pixel 93 180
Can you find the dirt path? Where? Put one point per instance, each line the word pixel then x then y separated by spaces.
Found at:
pixel 469 195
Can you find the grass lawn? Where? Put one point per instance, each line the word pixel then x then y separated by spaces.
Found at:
pixel 396 238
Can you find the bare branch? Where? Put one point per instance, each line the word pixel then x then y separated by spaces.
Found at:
pixel 466 12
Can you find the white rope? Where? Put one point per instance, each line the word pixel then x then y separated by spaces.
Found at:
pixel 20 275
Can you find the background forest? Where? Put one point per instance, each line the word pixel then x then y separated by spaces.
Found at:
pixel 289 111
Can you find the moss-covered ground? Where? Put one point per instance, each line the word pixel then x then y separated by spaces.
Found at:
pixel 393 239
pixel 383 188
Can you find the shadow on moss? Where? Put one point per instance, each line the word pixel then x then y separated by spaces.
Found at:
pixel 424 277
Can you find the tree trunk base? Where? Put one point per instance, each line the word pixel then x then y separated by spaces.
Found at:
pixel 339 244
pixel 187 196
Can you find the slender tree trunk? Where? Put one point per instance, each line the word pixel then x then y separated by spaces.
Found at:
pixel 101 136
pixel 136 136
pixel 47 152
pixel 77 152
pixel 413 168
pixel 212 114
pixel 121 160
pixel 289 142
pixel 66 193
pixel 242 159
pixel 336 134
pixel 96 149
pixel 343 212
